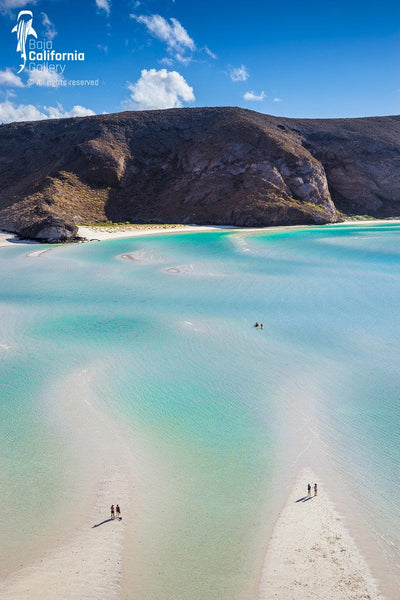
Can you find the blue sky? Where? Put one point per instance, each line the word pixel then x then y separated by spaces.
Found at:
pixel 312 59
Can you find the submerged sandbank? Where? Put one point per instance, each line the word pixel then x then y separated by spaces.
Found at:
pixel 311 554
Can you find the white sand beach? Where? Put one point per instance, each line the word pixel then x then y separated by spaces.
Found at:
pixel 101 233
pixel 86 565
pixel 7 238
pixel 311 554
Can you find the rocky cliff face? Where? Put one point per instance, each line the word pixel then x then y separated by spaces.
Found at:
pixel 204 165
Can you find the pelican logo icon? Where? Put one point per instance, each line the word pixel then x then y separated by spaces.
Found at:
pixel 23 28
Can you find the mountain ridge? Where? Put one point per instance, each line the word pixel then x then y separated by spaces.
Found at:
pixel 221 165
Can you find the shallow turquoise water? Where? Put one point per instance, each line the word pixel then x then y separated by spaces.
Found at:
pixel 228 408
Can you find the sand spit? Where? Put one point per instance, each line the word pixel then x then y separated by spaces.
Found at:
pixel 311 554
pixel 87 566
pixel 86 562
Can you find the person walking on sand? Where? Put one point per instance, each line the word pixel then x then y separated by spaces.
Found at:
pixel 315 489
pixel 112 511
pixel 118 511
pixel 309 490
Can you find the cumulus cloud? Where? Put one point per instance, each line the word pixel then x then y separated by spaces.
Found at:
pixel 44 78
pixel 104 5
pixel 10 112
pixel 49 29
pixel 253 97
pixel 277 99
pixel 239 73
pixel 159 89
pixel 58 112
pixel 10 79
pixel 23 112
pixel 174 35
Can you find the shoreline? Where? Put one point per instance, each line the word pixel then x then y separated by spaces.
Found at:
pixel 104 233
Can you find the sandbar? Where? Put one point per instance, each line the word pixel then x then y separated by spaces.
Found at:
pixel 311 554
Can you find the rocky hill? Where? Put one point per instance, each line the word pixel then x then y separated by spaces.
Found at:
pixel 202 165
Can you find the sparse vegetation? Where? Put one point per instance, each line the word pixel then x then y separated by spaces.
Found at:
pixel 128 224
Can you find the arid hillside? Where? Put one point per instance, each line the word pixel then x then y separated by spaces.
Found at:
pixel 202 165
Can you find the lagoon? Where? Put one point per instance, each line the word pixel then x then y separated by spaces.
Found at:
pixel 226 414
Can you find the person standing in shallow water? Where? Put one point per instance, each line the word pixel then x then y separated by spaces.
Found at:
pixel 112 511
pixel 315 489
pixel 118 511
pixel 309 490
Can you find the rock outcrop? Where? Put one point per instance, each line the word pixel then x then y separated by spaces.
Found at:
pixel 204 165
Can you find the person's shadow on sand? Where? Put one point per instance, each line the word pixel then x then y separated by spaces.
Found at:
pixel 102 523
pixel 304 499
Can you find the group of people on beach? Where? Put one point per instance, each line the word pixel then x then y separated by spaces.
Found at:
pixel 309 489
pixel 256 324
pixel 115 511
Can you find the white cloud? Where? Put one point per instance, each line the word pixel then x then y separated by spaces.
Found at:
pixel 58 112
pixel 239 73
pixel 208 51
pixel 10 112
pixel 277 99
pixel 251 96
pixel 23 112
pixel 6 6
pixel 50 30
pixel 166 61
pixel 159 89
pixel 44 78
pixel 104 5
pixel 173 34
pixel 9 78
pixel 185 60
